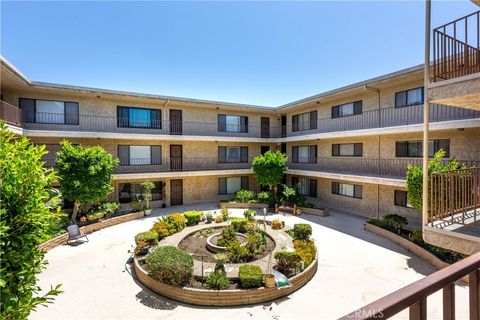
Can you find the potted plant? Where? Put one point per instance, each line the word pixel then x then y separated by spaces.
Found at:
pixel 269 276
pixel 209 217
pixel 163 185
pixel 147 196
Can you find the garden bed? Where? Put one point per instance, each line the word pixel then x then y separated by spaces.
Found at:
pixel 404 241
pixel 242 205
pixel 321 212
pixel 224 298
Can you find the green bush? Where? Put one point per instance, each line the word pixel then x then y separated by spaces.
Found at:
pixel 287 261
pixel 175 222
pixel 251 276
pixel 244 196
pixel 302 231
pixel 217 280
pixel 95 215
pixel 110 208
pixel 170 265
pixel 193 217
pixel 256 242
pixel 226 236
pixel 250 214
pixel 395 222
pixel 237 253
pixel 224 213
pixel 263 197
pixel 149 237
pixel 239 224
pixel 28 216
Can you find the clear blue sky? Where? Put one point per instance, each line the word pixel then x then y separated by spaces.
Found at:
pixel 264 53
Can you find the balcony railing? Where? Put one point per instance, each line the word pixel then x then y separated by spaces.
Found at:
pixel 414 296
pixel 396 168
pixel 10 114
pixel 184 164
pixel 387 117
pixel 456 48
pixel 378 118
pixel 455 196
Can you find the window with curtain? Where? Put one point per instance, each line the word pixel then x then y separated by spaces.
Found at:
pixel 232 154
pixel 347 150
pixel 347 190
pixel 230 185
pixel 133 117
pixel 304 121
pixel 140 155
pixel 49 111
pixel 414 148
pixel 304 154
pixel 409 97
pixel 347 109
pixel 232 123
pixel 306 187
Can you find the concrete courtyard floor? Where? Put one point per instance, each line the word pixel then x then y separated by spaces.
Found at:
pixel 355 268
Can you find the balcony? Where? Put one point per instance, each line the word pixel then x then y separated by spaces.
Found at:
pixel 454 216
pixel 388 117
pixel 386 168
pixel 10 114
pixel 455 69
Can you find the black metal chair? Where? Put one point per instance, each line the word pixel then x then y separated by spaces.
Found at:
pixel 74 234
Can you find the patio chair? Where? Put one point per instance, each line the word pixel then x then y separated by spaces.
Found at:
pixel 74 234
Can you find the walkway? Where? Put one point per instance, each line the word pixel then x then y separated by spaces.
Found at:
pixel 355 267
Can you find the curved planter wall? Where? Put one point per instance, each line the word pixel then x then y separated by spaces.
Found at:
pixel 239 205
pixel 224 298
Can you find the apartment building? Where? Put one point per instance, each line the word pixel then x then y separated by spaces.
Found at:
pixel 348 148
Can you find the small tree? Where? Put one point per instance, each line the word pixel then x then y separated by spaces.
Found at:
pixel 269 169
pixel 415 177
pixel 28 215
pixel 147 193
pixel 85 174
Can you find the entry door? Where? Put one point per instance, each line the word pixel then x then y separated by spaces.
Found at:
pixel 175 122
pixel 175 157
pixel 265 127
pixel 176 192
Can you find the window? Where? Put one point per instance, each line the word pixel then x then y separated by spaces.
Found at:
pixel 414 149
pixel 306 187
pixel 401 199
pixel 409 97
pixel 304 154
pixel 49 111
pixel 231 185
pixel 304 121
pixel 347 150
pixel 232 154
pixel 347 109
pixel 139 155
pixel 229 123
pixel 128 192
pixel 348 190
pixel 130 117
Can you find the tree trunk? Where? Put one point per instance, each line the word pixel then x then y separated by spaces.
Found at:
pixel 76 208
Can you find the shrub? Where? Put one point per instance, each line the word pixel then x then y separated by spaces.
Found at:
pixel 237 253
pixel 147 193
pixel 224 212
pixel 239 224
pixel 378 222
pixel 110 208
pixel 141 246
pixel 277 224
pixel 250 214
pixel 251 226
pixel 161 228
pixel 302 231
pixel 217 280
pixel 193 217
pixel 263 197
pixel 227 236
pixel 209 217
pixel 28 216
pixel 256 242
pixel 218 219
pixel 251 276
pixel 395 222
pixel 306 250
pixel 170 265
pixel 149 237
pixel 95 215
pixel 175 222
pixel 220 262
pixel 244 196
pixel 287 261
pixel 269 168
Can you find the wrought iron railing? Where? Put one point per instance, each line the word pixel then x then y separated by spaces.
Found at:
pixel 456 48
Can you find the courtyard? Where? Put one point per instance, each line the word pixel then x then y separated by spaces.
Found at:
pixel 354 268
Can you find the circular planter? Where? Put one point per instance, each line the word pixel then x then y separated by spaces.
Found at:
pixel 214 248
pixel 224 298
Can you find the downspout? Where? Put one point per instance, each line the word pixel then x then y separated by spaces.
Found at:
pixel 426 114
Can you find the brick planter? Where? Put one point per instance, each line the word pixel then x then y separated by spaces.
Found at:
pixel 224 298
pixel 62 239
pixel 239 205
pixel 410 246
